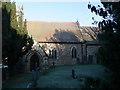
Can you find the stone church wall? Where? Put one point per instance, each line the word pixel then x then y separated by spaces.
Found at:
pixel 65 54
pixel 91 51
pixel 84 53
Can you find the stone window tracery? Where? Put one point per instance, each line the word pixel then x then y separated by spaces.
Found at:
pixel 74 52
pixel 54 53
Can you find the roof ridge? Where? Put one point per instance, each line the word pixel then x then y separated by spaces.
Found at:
pixel 52 21
pixel 89 26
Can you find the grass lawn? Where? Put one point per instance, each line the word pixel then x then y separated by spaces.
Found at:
pixel 61 76
pixel 58 77
pixel 18 81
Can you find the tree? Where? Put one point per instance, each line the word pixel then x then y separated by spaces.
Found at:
pixel 14 43
pixel 110 32
pixel 20 19
pixel 13 16
pixel 109 36
pixel 25 27
pixel 5 28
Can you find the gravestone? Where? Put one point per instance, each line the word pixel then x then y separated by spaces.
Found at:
pixel 35 75
pixel 73 73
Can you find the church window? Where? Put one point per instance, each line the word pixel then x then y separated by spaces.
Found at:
pixel 54 54
pixel 50 53
pixel 74 52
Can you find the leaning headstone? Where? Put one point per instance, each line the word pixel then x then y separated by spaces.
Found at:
pixel 73 73
pixel 35 75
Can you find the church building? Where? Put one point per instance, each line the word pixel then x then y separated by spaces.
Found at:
pixel 65 43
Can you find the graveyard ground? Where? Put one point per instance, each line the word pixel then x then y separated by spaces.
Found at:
pixel 58 77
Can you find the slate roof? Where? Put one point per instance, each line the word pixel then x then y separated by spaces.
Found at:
pixel 59 31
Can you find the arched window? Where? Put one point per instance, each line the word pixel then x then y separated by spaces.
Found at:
pixel 50 53
pixel 54 54
pixel 74 52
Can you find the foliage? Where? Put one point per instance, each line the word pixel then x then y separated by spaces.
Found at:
pixel 109 36
pixel 14 43
pixel 91 82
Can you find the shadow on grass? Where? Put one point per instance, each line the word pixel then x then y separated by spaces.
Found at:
pixel 45 72
pixel 18 81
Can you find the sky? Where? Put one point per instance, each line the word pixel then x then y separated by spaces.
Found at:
pixel 59 11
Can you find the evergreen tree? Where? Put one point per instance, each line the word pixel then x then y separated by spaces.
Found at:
pixel 13 17
pixel 5 28
pixel 20 19
pixel 25 27
pixel 12 40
